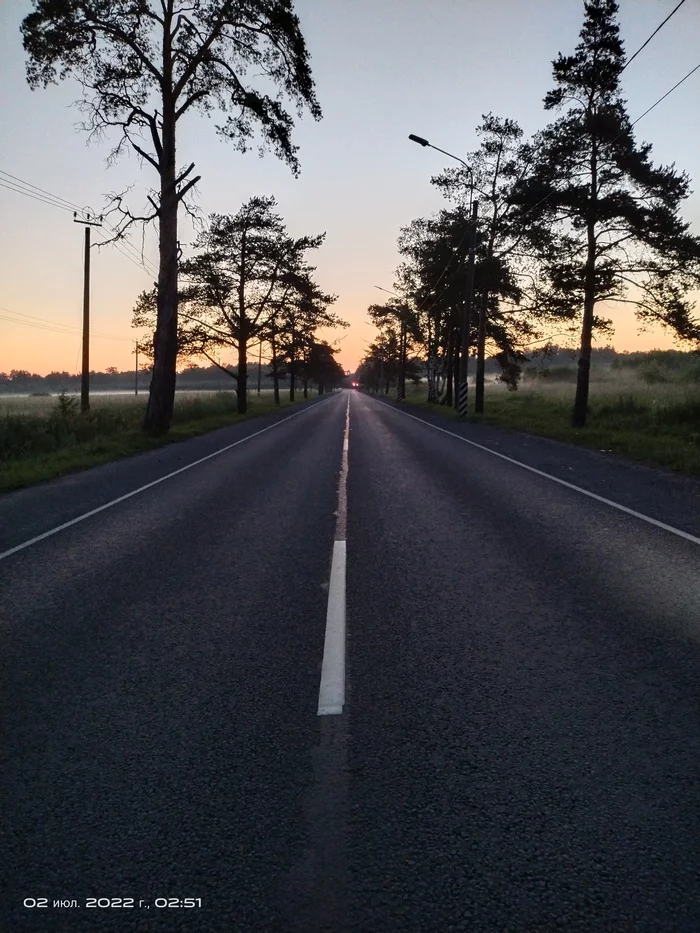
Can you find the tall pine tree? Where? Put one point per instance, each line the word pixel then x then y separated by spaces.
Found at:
pixel 621 236
pixel 145 66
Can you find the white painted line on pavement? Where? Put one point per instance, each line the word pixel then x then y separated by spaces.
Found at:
pixel 555 479
pixel 331 694
pixel 135 492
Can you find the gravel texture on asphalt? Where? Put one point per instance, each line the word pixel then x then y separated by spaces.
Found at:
pixel 520 743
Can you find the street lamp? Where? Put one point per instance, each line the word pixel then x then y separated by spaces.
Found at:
pixel 401 388
pixel 424 142
pixel 462 393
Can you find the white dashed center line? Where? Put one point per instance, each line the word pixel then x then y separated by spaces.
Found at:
pixel 331 694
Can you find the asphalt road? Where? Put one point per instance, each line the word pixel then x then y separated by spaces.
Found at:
pixel 519 747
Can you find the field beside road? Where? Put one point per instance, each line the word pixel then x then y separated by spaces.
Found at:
pixel 656 422
pixel 42 437
pixel 44 405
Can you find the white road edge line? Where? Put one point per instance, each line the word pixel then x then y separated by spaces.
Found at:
pixel 331 693
pixel 135 492
pixel 555 479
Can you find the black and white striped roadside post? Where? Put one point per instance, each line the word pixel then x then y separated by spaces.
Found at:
pixel 463 389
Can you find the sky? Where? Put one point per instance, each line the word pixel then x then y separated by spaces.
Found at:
pixel 383 69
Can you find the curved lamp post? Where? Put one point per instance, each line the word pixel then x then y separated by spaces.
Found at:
pixel 463 390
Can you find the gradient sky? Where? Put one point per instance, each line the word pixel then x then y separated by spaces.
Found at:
pixel 383 69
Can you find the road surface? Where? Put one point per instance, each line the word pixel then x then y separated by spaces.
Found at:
pixel 519 741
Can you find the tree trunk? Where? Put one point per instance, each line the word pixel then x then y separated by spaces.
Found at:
pixel 161 397
pixel 259 367
pixel 481 354
pixel 292 373
pixel 242 394
pixel 440 353
pixel 584 361
pixel 447 398
pixel 275 372
pixel 457 356
pixel 580 411
pixel 242 333
pixel 484 309
pixel 433 380
pixel 431 364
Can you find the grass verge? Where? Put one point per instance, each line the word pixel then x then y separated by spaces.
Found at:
pixel 35 448
pixel 631 420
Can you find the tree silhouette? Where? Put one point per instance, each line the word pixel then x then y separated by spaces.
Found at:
pixel 143 65
pixel 246 281
pixel 621 237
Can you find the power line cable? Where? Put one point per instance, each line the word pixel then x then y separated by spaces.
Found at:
pixel 138 258
pixel 55 330
pixel 621 133
pixel 55 326
pixel 27 184
pixel 658 29
pixel 16 317
pixel 551 193
pixel 691 72
pixel 34 317
pixel 20 186
pixel 60 330
pixel 35 197
pixel 150 269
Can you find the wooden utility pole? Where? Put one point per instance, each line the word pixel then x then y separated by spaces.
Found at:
pixel 136 372
pixel 89 221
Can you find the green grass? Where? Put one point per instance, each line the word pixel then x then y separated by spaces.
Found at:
pixel 657 423
pixel 44 406
pixel 41 443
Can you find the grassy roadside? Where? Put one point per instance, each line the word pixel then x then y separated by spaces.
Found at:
pixel 651 424
pixel 42 445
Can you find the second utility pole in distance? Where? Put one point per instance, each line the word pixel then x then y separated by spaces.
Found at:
pixel 89 221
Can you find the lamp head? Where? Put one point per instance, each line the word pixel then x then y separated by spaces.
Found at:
pixel 419 140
